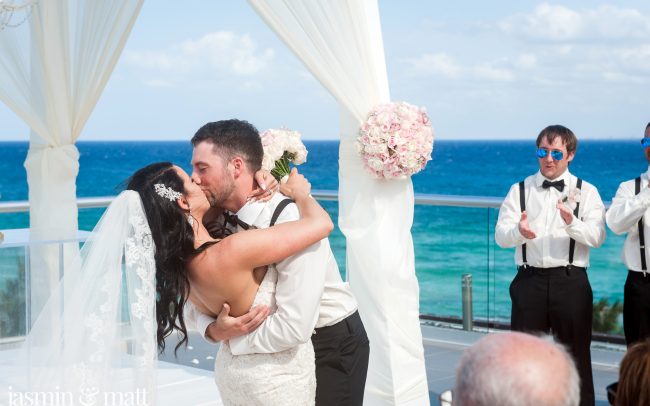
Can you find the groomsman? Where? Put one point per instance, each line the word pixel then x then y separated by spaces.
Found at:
pixel 629 213
pixel 553 218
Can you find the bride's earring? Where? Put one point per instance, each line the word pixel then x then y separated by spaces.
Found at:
pixel 190 219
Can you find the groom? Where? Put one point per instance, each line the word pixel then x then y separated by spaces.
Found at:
pixel 312 300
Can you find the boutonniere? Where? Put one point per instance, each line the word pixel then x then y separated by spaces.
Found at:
pixel 572 198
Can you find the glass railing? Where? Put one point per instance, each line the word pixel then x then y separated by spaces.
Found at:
pixel 452 236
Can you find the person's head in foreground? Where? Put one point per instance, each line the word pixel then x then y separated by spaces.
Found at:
pixel 556 147
pixel 634 376
pixel 514 369
pixel 173 206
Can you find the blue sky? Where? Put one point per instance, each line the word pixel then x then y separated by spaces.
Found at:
pixel 497 69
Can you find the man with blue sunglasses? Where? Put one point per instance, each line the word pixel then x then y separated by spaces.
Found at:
pixel 553 218
pixel 630 213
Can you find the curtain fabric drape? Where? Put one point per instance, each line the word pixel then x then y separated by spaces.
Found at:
pixel 53 68
pixel 340 42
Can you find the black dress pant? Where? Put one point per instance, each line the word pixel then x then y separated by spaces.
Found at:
pixel 342 352
pixel 636 307
pixel 558 301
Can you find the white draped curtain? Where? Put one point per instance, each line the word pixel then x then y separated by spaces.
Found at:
pixel 53 68
pixel 340 42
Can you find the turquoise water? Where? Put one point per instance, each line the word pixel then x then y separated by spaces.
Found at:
pixel 448 241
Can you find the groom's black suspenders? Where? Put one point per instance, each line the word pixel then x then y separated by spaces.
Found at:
pixel 278 209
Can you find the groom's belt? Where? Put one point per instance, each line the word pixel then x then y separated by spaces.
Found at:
pixel 348 325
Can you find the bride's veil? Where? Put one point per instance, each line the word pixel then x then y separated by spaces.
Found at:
pixel 95 341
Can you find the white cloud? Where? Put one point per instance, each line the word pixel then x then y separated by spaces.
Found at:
pixel 526 61
pixel 436 64
pixel 216 54
pixel 549 22
pixel 159 83
pixel 489 72
pixel 625 65
pixel 441 64
pixel 637 58
pixel 618 77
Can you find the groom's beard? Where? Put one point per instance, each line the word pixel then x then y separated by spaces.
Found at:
pixel 218 197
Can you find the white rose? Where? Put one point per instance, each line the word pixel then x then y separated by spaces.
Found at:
pixel 268 163
pixel 275 151
pixel 301 156
pixel 375 164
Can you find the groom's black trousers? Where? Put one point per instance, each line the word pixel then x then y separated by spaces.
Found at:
pixel 342 352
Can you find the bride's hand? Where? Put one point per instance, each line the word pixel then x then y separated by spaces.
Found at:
pixel 265 186
pixel 297 187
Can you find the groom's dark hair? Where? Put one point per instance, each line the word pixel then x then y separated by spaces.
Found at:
pixel 231 138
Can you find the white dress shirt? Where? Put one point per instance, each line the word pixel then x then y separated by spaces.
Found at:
pixel 623 216
pixel 309 293
pixel 550 247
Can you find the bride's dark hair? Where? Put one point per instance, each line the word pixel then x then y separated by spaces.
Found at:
pixel 174 244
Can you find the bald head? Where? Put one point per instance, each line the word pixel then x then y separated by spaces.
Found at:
pixel 516 369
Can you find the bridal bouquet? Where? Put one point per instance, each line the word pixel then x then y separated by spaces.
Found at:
pixel 396 140
pixel 280 148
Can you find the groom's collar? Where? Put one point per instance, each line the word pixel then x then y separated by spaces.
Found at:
pixel 250 212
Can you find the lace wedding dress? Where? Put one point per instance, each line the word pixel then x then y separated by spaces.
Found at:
pixel 275 379
pixel 96 336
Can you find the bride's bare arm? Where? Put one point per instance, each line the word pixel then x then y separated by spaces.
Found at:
pixel 252 248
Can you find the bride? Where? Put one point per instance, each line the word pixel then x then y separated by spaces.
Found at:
pixel 149 254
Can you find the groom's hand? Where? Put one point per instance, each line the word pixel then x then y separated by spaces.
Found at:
pixel 227 327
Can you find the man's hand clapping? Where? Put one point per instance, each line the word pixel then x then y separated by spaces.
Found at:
pixel 565 212
pixel 524 227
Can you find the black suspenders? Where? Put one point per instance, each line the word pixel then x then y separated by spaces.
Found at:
pixel 278 209
pixel 522 205
pixel 637 190
pixel 572 243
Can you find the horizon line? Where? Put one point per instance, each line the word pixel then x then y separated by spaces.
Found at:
pixel 332 139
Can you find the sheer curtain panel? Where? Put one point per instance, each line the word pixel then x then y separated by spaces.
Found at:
pixel 53 68
pixel 340 42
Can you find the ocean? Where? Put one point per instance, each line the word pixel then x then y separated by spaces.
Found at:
pixel 449 241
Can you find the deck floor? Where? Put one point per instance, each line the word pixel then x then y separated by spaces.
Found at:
pixel 443 348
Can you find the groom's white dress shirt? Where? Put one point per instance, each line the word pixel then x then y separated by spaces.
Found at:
pixel 309 293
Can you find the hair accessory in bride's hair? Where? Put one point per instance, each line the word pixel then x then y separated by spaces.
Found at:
pixel 167 192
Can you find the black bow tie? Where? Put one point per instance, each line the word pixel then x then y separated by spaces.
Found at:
pixel 558 184
pixel 235 221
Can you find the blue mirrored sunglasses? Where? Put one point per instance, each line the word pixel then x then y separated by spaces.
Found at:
pixel 543 153
pixel 645 142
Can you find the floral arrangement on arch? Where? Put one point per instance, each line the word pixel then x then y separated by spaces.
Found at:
pixel 282 147
pixel 395 140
